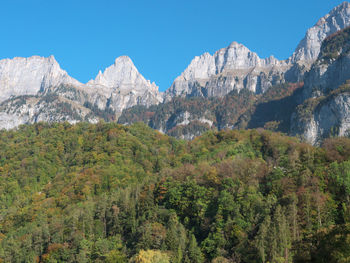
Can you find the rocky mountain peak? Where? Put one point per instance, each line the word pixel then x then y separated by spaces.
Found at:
pixel 123 86
pixel 52 59
pixel 232 68
pixel 122 75
pixel 201 67
pixel 27 76
pixel 235 56
pixel 124 60
pixel 309 47
pixel 343 7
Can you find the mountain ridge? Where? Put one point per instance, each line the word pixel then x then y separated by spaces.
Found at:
pixel 29 86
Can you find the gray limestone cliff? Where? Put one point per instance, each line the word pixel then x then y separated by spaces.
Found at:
pixel 329 117
pixel 325 100
pixel 309 47
pixel 124 86
pixel 231 68
pixel 29 76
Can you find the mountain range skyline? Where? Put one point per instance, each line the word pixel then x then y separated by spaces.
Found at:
pixel 38 89
pixel 161 64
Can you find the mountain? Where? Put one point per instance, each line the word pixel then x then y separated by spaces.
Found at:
pixel 309 47
pixel 279 95
pixel 325 107
pixel 237 68
pixel 124 86
pixel 304 95
pixel 29 76
pixel 187 118
pixel 37 89
pixel 231 68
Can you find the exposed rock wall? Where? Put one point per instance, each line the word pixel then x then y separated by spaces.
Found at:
pixel 237 68
pixel 27 83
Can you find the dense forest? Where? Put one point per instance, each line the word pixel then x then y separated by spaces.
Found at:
pixel 114 193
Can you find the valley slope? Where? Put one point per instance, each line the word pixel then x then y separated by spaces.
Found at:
pixel 113 193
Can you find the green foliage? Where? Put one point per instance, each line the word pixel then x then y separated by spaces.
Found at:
pixel 335 45
pixel 113 193
pixel 333 246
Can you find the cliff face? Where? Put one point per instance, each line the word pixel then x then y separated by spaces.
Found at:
pixel 37 89
pixel 309 47
pixel 48 108
pixel 329 117
pixel 231 68
pixel 324 109
pixel 236 68
pixel 28 76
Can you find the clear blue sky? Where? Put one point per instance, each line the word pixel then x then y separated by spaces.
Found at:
pixel 160 36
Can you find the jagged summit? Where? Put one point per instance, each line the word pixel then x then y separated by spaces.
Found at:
pixel 123 59
pixel 235 56
pixel 121 85
pixel 232 68
pixel 340 8
pixel 238 56
pixel 309 47
pixel 124 86
pixel 52 95
pixel 122 75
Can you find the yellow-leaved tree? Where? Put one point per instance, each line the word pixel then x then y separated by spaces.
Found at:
pixel 150 256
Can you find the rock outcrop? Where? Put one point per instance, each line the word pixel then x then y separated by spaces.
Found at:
pixel 320 66
pixel 29 76
pixel 124 86
pixel 325 99
pixel 49 108
pixel 309 47
pixel 329 117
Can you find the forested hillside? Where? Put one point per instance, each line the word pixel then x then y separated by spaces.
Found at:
pixel 113 193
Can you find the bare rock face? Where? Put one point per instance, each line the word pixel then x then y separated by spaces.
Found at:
pixel 37 89
pixel 330 117
pixel 324 77
pixel 124 86
pixel 309 47
pixel 50 108
pixel 231 68
pixel 325 98
pixel 28 76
